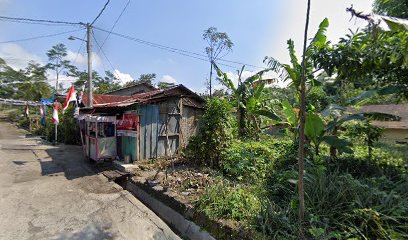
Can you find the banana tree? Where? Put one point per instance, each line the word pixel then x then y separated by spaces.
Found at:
pixel 292 72
pixel 318 131
pixel 248 98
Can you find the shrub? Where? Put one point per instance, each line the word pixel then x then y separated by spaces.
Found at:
pixel 339 206
pixel 226 201
pixel 251 160
pixel 217 128
pixel 14 115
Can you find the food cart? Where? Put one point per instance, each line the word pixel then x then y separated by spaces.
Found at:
pixel 99 140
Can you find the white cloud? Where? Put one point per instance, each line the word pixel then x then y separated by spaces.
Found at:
pixel 82 59
pixel 123 77
pixel 168 79
pixel 16 56
pixel 294 22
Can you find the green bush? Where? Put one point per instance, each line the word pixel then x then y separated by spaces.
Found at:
pixel 251 160
pixel 226 201
pixel 14 115
pixel 217 128
pixel 69 128
pixel 339 206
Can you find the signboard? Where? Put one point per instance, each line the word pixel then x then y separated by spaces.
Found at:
pixel 128 122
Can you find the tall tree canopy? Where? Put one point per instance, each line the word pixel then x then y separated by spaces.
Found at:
pixel 147 78
pixel 25 84
pixel 57 62
pixel 219 45
pixel 393 8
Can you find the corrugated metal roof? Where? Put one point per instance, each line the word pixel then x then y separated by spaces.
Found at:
pixel 135 85
pixel 104 99
pixel 110 101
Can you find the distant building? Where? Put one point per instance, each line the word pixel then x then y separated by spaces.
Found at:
pixel 394 131
pixel 133 89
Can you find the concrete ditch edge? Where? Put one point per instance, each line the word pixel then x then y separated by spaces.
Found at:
pixel 185 227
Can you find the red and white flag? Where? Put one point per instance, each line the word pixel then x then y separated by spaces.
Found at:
pixel 70 98
pixel 55 118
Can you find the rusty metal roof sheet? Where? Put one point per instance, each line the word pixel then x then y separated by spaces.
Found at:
pixel 108 101
pixel 104 99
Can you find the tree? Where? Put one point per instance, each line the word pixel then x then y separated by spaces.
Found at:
pixel 248 99
pixel 56 61
pixel 301 75
pixel 8 77
pixel 35 86
pixel 143 78
pixel 219 45
pixel 106 84
pixel 26 84
pixel 373 59
pixel 302 119
pixel 393 8
pixel 164 85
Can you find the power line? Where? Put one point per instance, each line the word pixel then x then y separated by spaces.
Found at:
pixel 114 25
pixel 39 37
pixel 110 63
pixel 79 50
pixel 39 20
pixel 176 50
pixel 100 13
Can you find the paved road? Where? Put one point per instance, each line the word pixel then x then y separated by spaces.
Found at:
pixel 50 192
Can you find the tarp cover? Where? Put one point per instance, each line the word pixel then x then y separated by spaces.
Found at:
pixel 94 118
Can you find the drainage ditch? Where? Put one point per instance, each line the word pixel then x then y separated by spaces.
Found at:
pixel 183 227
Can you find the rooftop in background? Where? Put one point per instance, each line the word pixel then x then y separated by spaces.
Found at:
pixel 400 110
pixel 134 89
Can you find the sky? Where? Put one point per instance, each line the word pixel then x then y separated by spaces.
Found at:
pixel 258 28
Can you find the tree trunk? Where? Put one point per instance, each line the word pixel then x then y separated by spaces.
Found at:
pixel 211 70
pixel 302 119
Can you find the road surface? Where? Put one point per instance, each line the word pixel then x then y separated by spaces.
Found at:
pixel 50 192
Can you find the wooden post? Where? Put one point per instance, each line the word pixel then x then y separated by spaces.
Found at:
pixel 181 136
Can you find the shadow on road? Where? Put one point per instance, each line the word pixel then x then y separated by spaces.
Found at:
pixel 90 231
pixel 69 160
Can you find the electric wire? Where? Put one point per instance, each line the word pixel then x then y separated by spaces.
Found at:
pixel 79 50
pixel 100 13
pixel 26 20
pixel 103 52
pixel 176 50
pixel 39 37
pixel 114 25
pixel 182 52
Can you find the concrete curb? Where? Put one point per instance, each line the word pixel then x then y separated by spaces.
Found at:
pixel 185 227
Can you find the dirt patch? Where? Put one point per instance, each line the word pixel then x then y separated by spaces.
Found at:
pixel 178 184
pixel 95 184
pixel 184 181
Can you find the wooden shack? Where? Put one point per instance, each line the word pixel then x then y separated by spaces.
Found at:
pixel 152 124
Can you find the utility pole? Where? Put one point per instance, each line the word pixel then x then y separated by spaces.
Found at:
pixel 89 51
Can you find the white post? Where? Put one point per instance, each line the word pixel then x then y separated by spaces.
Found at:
pixel 56 134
